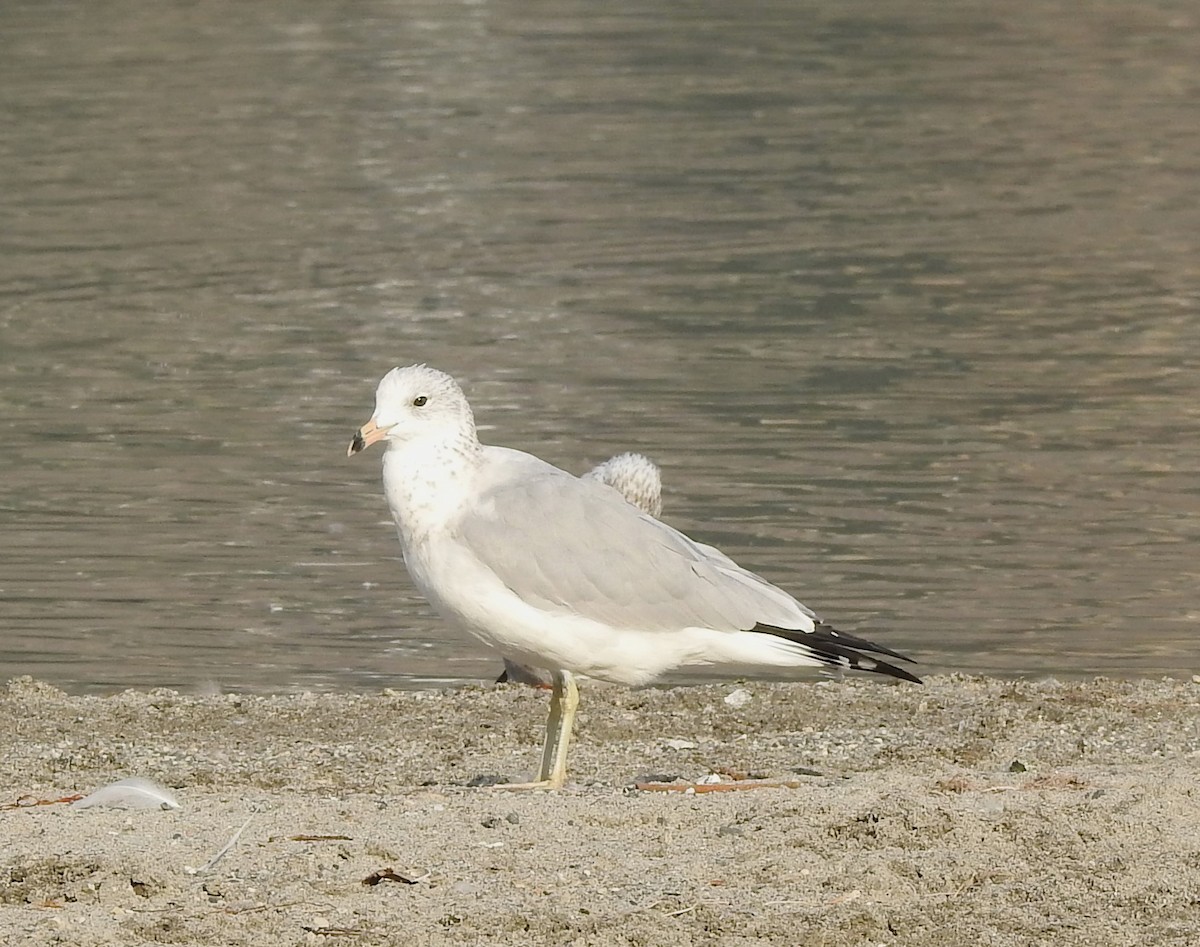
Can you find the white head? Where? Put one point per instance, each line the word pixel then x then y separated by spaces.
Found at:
pixel 414 404
pixel 635 477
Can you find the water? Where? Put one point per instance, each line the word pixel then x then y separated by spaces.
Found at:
pixel 902 298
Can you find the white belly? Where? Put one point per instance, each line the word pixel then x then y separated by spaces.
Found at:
pixel 469 596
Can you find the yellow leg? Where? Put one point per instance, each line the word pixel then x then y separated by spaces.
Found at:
pixel 563 701
pixel 559 723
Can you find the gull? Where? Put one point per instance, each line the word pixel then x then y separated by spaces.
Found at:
pixel 637 478
pixel 561 572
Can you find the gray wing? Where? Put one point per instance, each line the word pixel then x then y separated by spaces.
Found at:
pixel 576 547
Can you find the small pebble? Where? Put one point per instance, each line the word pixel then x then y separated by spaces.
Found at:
pixel 488 779
pixel 738 698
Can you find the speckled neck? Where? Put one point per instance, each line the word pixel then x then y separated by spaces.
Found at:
pixel 426 482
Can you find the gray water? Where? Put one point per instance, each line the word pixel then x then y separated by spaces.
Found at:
pixel 902 297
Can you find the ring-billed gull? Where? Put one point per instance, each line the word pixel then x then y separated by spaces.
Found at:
pixel 637 478
pixel 561 572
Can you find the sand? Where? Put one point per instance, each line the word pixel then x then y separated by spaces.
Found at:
pixel 967 811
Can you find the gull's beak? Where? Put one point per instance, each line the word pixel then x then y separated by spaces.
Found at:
pixel 367 435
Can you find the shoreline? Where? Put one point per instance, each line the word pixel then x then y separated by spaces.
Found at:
pixel 1007 811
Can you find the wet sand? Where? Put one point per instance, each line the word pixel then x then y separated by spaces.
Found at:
pixel 969 810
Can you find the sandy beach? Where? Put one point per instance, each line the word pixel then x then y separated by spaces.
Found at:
pixel 969 810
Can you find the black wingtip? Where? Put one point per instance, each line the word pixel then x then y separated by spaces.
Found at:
pixel 883 667
pixel 842 650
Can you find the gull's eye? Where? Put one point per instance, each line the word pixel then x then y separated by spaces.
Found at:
pixel 419 401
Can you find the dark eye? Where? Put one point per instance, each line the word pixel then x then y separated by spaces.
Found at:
pixel 419 401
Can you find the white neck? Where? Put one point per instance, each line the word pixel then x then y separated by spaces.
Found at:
pixel 426 483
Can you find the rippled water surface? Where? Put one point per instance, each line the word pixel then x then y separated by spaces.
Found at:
pixel 903 298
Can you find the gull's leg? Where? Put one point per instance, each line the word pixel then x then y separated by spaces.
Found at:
pixel 559 723
pixel 563 701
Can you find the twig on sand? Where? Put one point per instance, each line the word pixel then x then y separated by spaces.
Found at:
pixel 27 800
pixel 332 931
pixel 720 787
pixel 390 874
pixel 228 845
